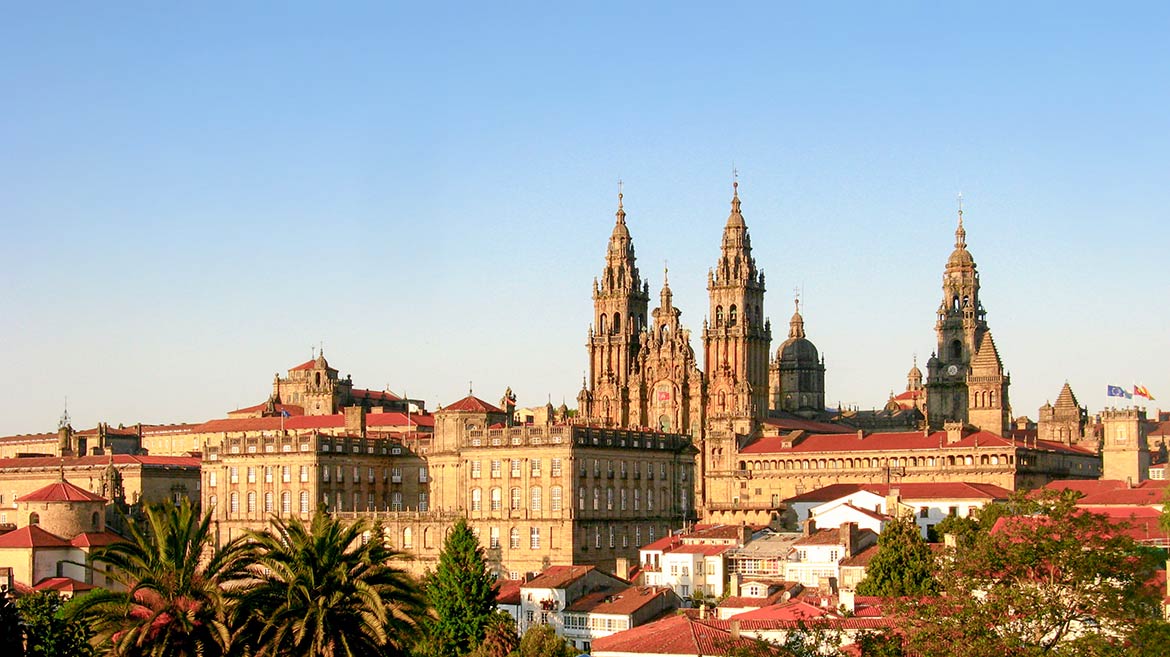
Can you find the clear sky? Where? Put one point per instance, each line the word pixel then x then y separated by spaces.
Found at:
pixel 194 196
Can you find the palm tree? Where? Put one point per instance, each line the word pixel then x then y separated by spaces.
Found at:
pixel 172 604
pixel 326 589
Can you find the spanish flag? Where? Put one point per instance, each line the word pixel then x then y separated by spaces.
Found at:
pixel 1141 391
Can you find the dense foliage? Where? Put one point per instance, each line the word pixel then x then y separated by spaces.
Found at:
pixel 903 564
pixel 47 633
pixel 462 595
pixel 542 641
pixel 325 589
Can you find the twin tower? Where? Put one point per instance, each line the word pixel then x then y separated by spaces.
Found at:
pixel 644 373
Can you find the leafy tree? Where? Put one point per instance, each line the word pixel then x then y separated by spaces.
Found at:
pixel 461 593
pixel 11 627
pixel 172 604
pixel 500 637
pixel 963 529
pixel 324 589
pixel 903 564
pixel 542 641
pixel 1164 517
pixel 47 633
pixel 1060 581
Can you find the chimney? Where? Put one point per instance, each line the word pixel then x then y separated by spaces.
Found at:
pixel 733 585
pixel 893 501
pixel 810 527
pixel 848 600
pixel 622 567
pixel 848 534
pixel 355 421
pixel 954 432
pixel 702 611
pixel 734 630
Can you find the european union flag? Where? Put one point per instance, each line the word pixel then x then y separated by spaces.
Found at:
pixel 1118 391
pixel 284 412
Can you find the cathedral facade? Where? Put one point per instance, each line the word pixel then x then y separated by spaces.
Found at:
pixel 753 414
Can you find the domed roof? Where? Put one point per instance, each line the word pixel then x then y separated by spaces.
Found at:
pixel 798 351
pixel 961 256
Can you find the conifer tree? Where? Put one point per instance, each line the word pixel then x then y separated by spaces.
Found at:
pixel 462 595
pixel 903 565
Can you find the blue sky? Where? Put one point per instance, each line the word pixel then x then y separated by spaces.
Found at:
pixel 194 196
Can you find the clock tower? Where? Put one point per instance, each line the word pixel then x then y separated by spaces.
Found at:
pixel 965 378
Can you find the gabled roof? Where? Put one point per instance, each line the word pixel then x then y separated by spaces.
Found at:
pixel 622 602
pixel 674 635
pixel 32 536
pixel 509 591
pixel 557 577
pixel 793 610
pixel 856 509
pixel 898 440
pixel 61 491
pixel 62 584
pixel 1124 496
pixel 861 559
pixel 943 490
pixel 473 404
pixel 95 539
pixel 831 536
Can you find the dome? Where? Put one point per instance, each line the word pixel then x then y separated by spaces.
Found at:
pixel 798 351
pixel 961 257
pixel 915 373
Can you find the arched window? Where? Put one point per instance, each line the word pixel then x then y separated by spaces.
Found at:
pixel 251 501
pixel 514 538
pixel 234 504
pixel 495 499
pixel 286 503
pixel 955 302
pixel 732 316
pixel 555 502
pixel 476 499
pixel 428 539
pixel 407 538
pixel 515 499
pixel 268 502
pixel 95 521
pixel 304 501
pixel 718 316
pixel 617 323
pixel 601 324
pixel 213 501
pixel 34 519
pixel 536 501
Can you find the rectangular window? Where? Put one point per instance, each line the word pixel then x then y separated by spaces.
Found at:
pixel 556 498
pixel 211 479
pixel 495 468
pixel 475 469
pixel 515 498
pixel 286 473
pixel 396 501
pixel 581 498
pixel 369 501
pixel 534 467
pixel 516 468
pixel 396 475
pixel 924 512
pixel 422 475
pixel 325 473
pixel 370 475
pixel 357 474
pixel 476 499
pixel 268 475
pixel 556 467
pixel 496 501
pixel 623 506
pixel 494 539
pixel 422 502
pixel 612 544
pixel 234 475
pixel 340 474
pixel 304 473
pixel 514 539
pixel 637 499
pixel 251 475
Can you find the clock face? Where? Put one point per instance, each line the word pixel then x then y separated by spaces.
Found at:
pixel 953 370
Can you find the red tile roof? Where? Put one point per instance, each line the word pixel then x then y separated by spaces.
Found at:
pixel 943 490
pixel 301 422
pixel 362 393
pixel 557 577
pixel 674 635
pixel 796 423
pixel 862 558
pixel 62 584
pixel 95 539
pixel 793 610
pixel 31 536
pixel 473 404
pixel 743 602
pixel 291 408
pixel 100 461
pixel 903 440
pixel 619 601
pixel 705 550
pixel 1124 496
pixel 1083 486
pixel 831 536
pixel 61 491
pixel 509 591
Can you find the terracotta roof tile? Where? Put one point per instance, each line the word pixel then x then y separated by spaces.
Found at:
pixel 619 601
pixel 31 536
pixel 61 491
pixel 99 461
pixel 901 440
pixel 557 577
pixel 943 490
pixel 95 539
pixel 674 635
pixel 473 404
pixel 63 584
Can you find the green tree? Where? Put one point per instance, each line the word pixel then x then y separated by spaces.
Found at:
pixel 1059 581
pixel 499 638
pixel 172 604
pixel 963 529
pixel 461 593
pixel 542 641
pixel 11 627
pixel 47 632
pixel 324 589
pixel 903 564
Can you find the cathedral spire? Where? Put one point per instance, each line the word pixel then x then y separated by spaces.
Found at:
pixel 960 232
pixel 621 212
pixel 667 295
pixel 796 325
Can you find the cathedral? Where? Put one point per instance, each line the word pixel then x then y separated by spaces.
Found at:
pixel 748 401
